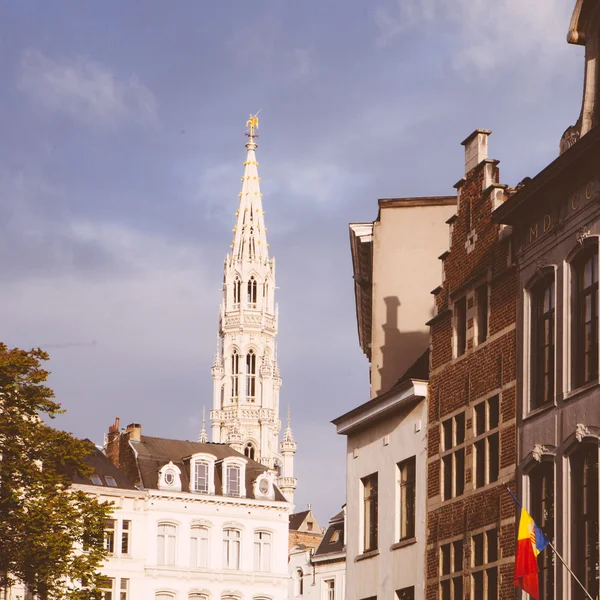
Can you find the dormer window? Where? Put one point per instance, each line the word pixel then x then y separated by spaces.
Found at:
pixel 233 480
pixel 202 467
pixel 201 477
pixel 169 477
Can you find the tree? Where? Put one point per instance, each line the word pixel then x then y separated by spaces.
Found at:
pixel 51 536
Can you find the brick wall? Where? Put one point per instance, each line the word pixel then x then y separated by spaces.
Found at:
pixel 310 540
pixel 478 254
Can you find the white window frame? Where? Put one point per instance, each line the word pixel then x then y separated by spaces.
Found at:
pixel 169 540
pixel 175 486
pixel 196 546
pixel 232 558
pixel 209 459
pixel 263 550
pixel 240 463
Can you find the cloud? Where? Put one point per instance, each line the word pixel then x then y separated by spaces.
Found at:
pixel 86 91
pixel 488 35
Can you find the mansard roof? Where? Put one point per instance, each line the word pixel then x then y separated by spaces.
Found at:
pixel 104 472
pixel 333 541
pixel 154 452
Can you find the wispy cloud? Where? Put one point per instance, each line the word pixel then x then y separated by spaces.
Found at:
pixel 86 91
pixel 485 35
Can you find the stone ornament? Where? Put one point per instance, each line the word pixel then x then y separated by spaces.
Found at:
pixel 581 431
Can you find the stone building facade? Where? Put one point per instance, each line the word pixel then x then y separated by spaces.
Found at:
pixel 556 230
pixel 471 445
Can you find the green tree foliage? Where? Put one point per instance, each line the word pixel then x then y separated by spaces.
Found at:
pixel 51 536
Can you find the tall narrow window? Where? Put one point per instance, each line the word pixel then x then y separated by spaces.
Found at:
pixel 584 519
pixel 406 470
pixel 460 317
pixel 369 485
pixel 585 358
pixel 109 535
pixel 235 375
pixel 484 571
pixel 167 540
pixel 237 291
pixel 231 549
pixel 124 590
pixel 451 567
pixel 106 588
pixel 329 589
pixel 233 480
pixel 453 456
pixel 252 292
pixel 299 583
pixel 262 551
pixel 251 376
pixel 542 343
pixel 482 313
pixel 125 533
pixel 199 547
pixel 249 450
pixel 487 441
pixel 201 477
pixel 542 510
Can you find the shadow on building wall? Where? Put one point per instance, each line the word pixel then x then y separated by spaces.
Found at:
pixel 400 349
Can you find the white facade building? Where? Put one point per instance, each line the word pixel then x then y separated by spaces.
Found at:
pixel 245 373
pixel 193 520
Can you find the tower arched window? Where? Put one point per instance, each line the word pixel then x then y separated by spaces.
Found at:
pixel 251 376
pixel 237 290
pixel 252 292
pixel 299 582
pixel 249 450
pixel 235 375
pixel 252 244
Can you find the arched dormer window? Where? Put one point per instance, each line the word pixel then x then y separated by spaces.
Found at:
pixel 235 373
pixel 251 376
pixel 252 287
pixel 202 469
pixel 234 476
pixel 169 477
pixel 237 291
pixel 249 450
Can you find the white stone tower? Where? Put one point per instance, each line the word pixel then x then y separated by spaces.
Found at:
pixel 246 378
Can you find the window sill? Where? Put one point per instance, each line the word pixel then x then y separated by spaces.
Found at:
pixel 403 543
pixel 365 555
pixel 539 410
pixel 580 390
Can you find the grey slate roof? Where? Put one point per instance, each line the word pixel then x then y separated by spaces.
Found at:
pixel 297 519
pixel 103 468
pixel 154 452
pixel 333 540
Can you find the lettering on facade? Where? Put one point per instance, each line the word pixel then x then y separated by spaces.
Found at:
pixel 543 224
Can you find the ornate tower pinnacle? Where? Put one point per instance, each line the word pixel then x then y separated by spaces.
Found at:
pixel 203 437
pixel 245 372
pixel 287 481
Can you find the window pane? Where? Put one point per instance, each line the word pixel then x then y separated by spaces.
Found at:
pixel 459 421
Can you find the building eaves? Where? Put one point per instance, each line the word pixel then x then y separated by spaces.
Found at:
pixel 417 201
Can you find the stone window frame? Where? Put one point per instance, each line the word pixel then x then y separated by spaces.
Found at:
pixel 405 513
pixel 486 439
pixel 209 460
pixel 451 578
pixel 451 450
pixel 369 541
pixel 487 567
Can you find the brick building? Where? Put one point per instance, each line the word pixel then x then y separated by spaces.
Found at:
pixel 472 396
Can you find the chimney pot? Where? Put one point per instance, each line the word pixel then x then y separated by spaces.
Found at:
pixel 135 432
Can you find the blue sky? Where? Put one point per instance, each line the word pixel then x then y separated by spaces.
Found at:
pixel 121 162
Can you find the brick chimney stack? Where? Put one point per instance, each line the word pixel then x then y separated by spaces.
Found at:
pixel 111 446
pixel 476 148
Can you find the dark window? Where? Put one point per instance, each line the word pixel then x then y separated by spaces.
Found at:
pixel 235 371
pixel 482 313
pixel 451 562
pixel 453 456
pixel 542 510
pixel 370 512
pixel 406 593
pixel 249 451
pixel 251 376
pixel 484 574
pixel 407 474
pixel 542 343
pixel 125 532
pixel 460 315
pixel 237 290
pixel 487 446
pixel 584 519
pixel 109 535
pixel 252 292
pixel 585 358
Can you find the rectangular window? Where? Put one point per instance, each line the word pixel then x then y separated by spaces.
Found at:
pixel 233 480
pixel 125 533
pixel 542 342
pixel 585 320
pixel 584 519
pixel 460 317
pixel 407 593
pixel 231 549
pixel 166 544
pixel 481 297
pixel 109 535
pixel 542 510
pixel 453 456
pixel 262 551
pixel 199 547
pixel 106 588
pixel 201 477
pixel 451 566
pixel 407 476
pixel 487 441
pixel 124 591
pixel 329 589
pixel 369 485
pixel 484 573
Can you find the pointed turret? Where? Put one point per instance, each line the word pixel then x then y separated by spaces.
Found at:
pixel 203 437
pixel 287 481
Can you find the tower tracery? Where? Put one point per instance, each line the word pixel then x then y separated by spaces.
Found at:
pixel 246 379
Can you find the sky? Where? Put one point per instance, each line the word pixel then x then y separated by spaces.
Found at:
pixel 122 148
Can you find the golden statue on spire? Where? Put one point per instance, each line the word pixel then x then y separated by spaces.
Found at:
pixel 252 124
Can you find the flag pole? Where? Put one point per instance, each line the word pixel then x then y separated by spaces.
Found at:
pixel 569 569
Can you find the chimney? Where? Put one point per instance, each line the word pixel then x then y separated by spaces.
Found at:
pixel 476 148
pixel 111 442
pixel 135 432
